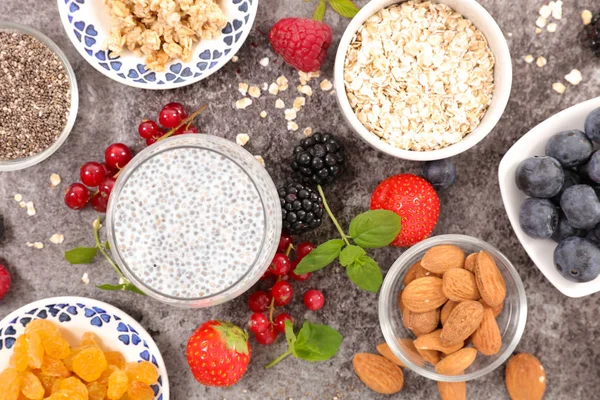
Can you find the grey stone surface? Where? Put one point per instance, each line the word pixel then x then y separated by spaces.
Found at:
pixel 562 332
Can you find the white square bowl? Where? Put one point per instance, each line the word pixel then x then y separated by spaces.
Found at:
pixel 533 143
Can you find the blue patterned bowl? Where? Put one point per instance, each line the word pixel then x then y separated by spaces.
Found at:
pixel 77 315
pixel 87 23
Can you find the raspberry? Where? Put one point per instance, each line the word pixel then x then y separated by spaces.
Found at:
pixel 4 281
pixel 302 43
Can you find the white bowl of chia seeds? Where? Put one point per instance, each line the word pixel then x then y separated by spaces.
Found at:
pixel 39 99
pixel 194 220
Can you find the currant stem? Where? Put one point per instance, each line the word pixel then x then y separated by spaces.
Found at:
pixel 333 219
pixel 100 247
pixel 187 121
pixel 275 361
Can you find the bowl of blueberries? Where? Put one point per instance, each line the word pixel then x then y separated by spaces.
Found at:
pixel 550 185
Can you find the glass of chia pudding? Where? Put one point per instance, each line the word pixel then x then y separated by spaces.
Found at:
pixel 194 220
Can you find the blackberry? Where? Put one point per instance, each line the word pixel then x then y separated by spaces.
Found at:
pixel 595 34
pixel 301 208
pixel 318 159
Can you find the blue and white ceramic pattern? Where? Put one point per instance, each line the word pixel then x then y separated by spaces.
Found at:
pixel 116 330
pixel 87 23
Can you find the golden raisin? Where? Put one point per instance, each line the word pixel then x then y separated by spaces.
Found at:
pixel 140 391
pixel 118 383
pixel 115 358
pixel 35 351
pixel 144 372
pixel 56 347
pixel 96 390
pixel 53 367
pixel 66 395
pixel 56 385
pixel 73 384
pixel 31 387
pixel 89 339
pixel 106 374
pixel 42 326
pixel 89 364
pixel 20 357
pixel 46 380
pixel 10 384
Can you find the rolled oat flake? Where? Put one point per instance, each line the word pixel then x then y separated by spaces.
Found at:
pixel 35 96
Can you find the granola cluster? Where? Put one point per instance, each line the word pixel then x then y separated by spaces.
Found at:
pixel 162 30
pixel 419 75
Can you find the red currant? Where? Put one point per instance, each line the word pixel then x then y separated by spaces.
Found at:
pixel 282 292
pixel 151 141
pixel 92 173
pixel 314 300
pixel 99 202
pixel 301 277
pixel 179 107
pixel 303 249
pixel 280 322
pixel 267 337
pixel 170 117
pixel 117 155
pixel 258 323
pixel 280 265
pixel 106 186
pixel 183 130
pixel 284 242
pixel 77 196
pixel 108 171
pixel 268 274
pixel 148 129
pixel 259 301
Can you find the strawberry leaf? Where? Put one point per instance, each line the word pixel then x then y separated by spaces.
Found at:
pixel 236 338
pixel 346 8
pixel 320 257
pixel 81 255
pixel 365 273
pixel 374 229
pixel 319 11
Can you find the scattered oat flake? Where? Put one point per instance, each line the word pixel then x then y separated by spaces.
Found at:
pixel 121 281
pixel 263 114
pixel 290 114
pixel 540 22
pixel 57 238
pixel 234 59
pixel 242 139
pixel 260 160
pixel 85 278
pixel 265 86
pixel 304 89
pixel 282 83
pixel 243 88
pixel 574 77
pixel 243 103
pixel 538 31
pixel 552 27
pixel 254 91
pixel 292 126
pixel 22 204
pixel 326 85
pixel 299 102
pixel 273 89
pixel 541 61
pixel 279 103
pixel 38 245
pixel 264 62
pixel 556 7
pixel 55 180
pixel 586 17
pixel 307 131
pixel 559 87
pixel 529 59
pixel 18 197
pixel 545 11
pixel 30 208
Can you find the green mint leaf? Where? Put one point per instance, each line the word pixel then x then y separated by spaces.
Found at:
pixel 375 228
pixel 290 336
pixel 320 342
pixel 346 8
pixel 320 257
pixel 112 287
pixel 319 11
pixel 366 274
pixel 107 245
pixel 349 254
pixel 81 255
pixel 132 288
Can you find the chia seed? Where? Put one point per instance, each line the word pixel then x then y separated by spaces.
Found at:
pixel 35 96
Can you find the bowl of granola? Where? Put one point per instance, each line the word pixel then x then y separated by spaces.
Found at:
pixel 157 44
pixel 423 80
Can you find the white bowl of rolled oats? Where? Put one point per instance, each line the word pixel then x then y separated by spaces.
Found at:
pixel 423 80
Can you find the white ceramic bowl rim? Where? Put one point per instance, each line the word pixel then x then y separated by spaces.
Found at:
pixel 472 10
pixel 26 162
pixel 392 277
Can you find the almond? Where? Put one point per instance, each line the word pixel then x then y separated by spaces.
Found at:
pixel 441 258
pixel 424 294
pixel 452 390
pixel 378 373
pixel 461 322
pixel 487 338
pixel 410 351
pixel 400 304
pixel 387 353
pixel 459 285
pixel 446 310
pixel 497 310
pixel 471 262
pixel 456 363
pixel 525 377
pixel 489 280
pixel 411 274
pixel 431 356
pixel 421 323
pixel 431 341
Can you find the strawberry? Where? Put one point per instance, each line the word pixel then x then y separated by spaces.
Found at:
pixel 414 200
pixel 218 353
pixel 302 43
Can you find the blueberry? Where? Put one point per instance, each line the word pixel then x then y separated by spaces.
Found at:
pixel 441 173
pixel 571 178
pixel 592 125
pixel 570 148
pixel 538 218
pixel 593 235
pixel 540 177
pixel 591 169
pixel 564 229
pixel 577 259
pixel 581 206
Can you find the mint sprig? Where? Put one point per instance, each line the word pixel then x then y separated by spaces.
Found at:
pixel 369 230
pixel 86 255
pixel 346 8
pixel 314 342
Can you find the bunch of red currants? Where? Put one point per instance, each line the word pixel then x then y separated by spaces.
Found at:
pixel 170 117
pixel 265 327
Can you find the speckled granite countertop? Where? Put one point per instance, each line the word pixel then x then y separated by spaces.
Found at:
pixel 561 331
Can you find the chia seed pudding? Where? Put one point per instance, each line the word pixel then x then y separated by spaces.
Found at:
pixel 191 223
